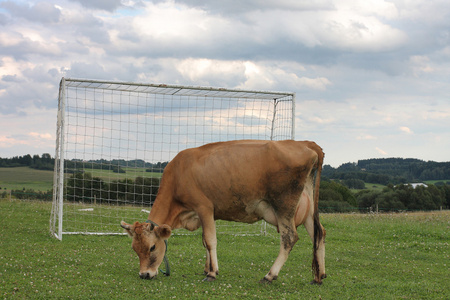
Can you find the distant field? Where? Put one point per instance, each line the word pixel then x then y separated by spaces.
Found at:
pixel 437 181
pixel 370 186
pixel 130 173
pixel 368 256
pixel 374 186
pixel 379 187
pixel 38 180
pixel 24 177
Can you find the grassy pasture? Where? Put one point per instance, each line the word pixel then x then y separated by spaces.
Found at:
pixel 374 186
pixel 436 181
pixel 25 177
pixel 386 256
pixel 370 186
pixel 130 173
pixel 39 180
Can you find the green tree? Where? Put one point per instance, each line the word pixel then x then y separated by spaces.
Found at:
pixel 82 187
pixel 367 199
pixel 329 188
pixel 388 200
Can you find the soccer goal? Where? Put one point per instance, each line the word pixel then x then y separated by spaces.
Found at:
pixel 115 138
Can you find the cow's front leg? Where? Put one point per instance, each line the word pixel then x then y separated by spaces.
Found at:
pixel 210 243
pixel 288 238
pixel 208 260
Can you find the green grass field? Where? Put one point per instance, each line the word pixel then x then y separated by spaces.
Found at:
pixel 385 256
pixel 374 186
pixel 130 173
pixel 38 180
pixel 24 177
pixel 437 181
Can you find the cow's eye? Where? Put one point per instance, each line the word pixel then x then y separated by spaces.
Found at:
pixel 152 248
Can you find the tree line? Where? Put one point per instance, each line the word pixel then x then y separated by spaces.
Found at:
pixel 390 170
pixel 44 162
pixel 336 197
pixel 47 162
pixel 82 187
pixel 25 194
pixel 115 165
pixel 405 197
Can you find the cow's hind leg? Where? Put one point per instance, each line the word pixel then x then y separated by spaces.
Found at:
pixel 317 234
pixel 288 238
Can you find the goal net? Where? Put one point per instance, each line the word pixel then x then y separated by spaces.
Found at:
pixel 115 138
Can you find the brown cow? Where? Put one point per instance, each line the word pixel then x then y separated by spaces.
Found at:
pixel 243 181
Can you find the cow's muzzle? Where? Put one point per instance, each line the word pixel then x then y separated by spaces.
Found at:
pixel 146 275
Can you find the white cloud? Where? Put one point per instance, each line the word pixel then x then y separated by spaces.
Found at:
pixel 366 137
pixel 421 64
pixel 32 140
pixel 381 151
pixel 205 71
pixel 8 141
pixel 28 134
pixel 166 21
pixel 42 12
pixel 406 130
pixel 267 75
pixel 109 5
pixel 349 30
pixel 380 8
pixel 37 135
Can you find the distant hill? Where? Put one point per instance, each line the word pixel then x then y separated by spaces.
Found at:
pixel 390 170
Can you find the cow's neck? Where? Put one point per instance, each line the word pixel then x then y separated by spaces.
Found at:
pixel 165 211
pixel 159 212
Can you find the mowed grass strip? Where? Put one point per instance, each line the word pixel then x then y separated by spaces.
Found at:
pixel 385 256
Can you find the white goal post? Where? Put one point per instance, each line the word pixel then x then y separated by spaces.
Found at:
pixel 115 138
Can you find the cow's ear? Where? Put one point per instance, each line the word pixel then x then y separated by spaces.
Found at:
pixel 164 231
pixel 127 227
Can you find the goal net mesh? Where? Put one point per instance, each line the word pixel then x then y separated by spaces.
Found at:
pixel 114 140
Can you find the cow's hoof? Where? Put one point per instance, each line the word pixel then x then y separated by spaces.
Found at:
pixel 265 281
pixel 206 273
pixel 316 282
pixel 209 278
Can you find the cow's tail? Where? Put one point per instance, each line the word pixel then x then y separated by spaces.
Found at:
pixel 319 233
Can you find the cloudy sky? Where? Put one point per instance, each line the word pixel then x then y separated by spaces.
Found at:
pixel 371 77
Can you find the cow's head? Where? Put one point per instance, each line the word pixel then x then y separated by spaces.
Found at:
pixel 148 243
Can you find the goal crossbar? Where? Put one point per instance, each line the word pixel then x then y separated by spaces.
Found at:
pixel 167 89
